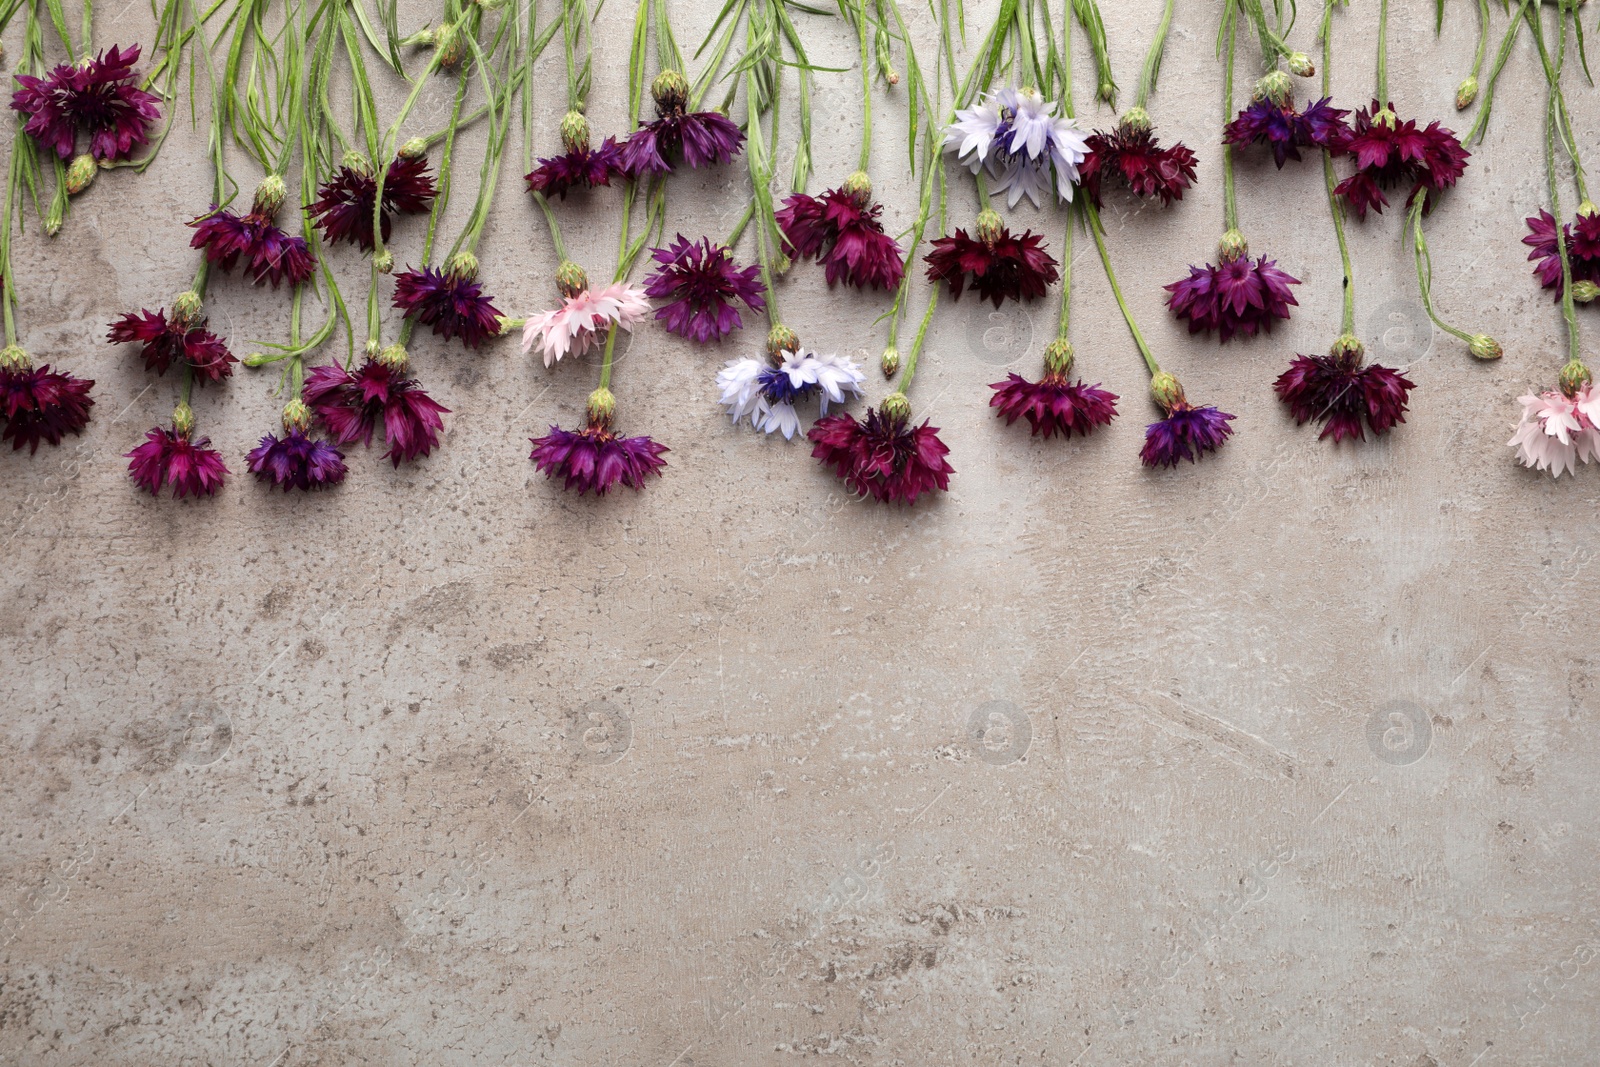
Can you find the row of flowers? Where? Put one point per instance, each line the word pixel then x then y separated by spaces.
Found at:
pixel 1016 142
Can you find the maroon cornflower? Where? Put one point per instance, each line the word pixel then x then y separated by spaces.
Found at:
pixel 1286 130
pixel 352 405
pixel 98 98
pixel 451 301
pixel 172 457
pixel 1583 248
pixel 580 166
pixel 344 212
pixel 270 254
pixel 1053 404
pixel 1132 153
pixel 1389 151
pixel 702 281
pixel 841 229
pixel 1186 432
pixel 1240 295
pixel 1000 264
pixel 883 456
pixel 1338 391
pixel 40 404
pixel 698 138
pixel 180 339
pixel 296 460
pixel 594 459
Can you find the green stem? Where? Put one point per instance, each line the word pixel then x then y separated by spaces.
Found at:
pixel 1152 59
pixel 1347 320
pixel 1383 53
pixel 1482 122
pixel 605 366
pixel 866 93
pixel 1483 37
pixel 1066 280
pixel 1116 290
pixel 1230 203
pixel 202 274
pixel 1424 261
pixel 1569 310
pixel 555 227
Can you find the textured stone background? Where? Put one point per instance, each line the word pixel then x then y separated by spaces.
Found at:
pixel 1284 758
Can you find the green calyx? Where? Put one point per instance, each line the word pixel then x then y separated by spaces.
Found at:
pixel 1275 86
pixel 1584 292
pixel 358 163
pixel 1574 376
pixel 80 173
pixel 1347 346
pixel 183 419
pixel 990 226
pixel 1058 357
pixel 394 357
pixel 1135 119
pixel 1233 246
pixel 600 408
pixel 780 342
pixel 1165 391
pixel 463 265
pixel 1300 65
pixel 1482 346
pixel 571 279
pixel 896 408
pixel 889 362
pixel 670 90
pixel 13 358
pixel 296 416
pixel 383 261
pixel 414 148
pixel 1466 93
pixel 858 187
pixel 575 132
pixel 1385 118
pixel 270 195
pixel 186 307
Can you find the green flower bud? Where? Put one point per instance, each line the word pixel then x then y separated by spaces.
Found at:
pixel 259 359
pixel 394 357
pixel 571 279
pixel 463 265
pixel 600 408
pixel 54 217
pixel 372 348
pixel 415 148
pixel 781 340
pixel 80 173
pixel 892 76
pixel 1585 291
pixel 889 362
pixel 1574 376
pixel 1300 65
pixel 1233 246
pixel 1136 119
pixel 1482 346
pixel 1466 93
pixel 448 45
pixel 1107 91
pixel 296 416
pixel 183 419
pixel 383 261
pixel 575 132
pixel 895 407
pixel 1275 86
pixel 270 195
pixel 1166 391
pixel 1058 357
pixel 186 306
pixel 990 226
pixel 670 91
pixel 858 186
pixel 12 357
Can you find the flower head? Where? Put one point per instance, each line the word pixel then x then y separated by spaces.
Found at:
pixel 1054 405
pixel 452 301
pixel 698 138
pixel 1286 130
pixel 40 404
pixel 595 459
pixel 1132 153
pixel 999 265
pixel 1559 429
pixel 1338 391
pixel 582 319
pixel 1187 432
pixel 171 457
pixel 1389 152
pixel 1241 295
pixel 175 340
pixel 841 229
pixel 766 393
pixel 883 456
pixel 348 199
pixel 270 254
pixel 98 97
pixel 702 282
pixel 352 405
pixel 296 461
pixel 580 165
pixel 1026 147
pixel 1582 237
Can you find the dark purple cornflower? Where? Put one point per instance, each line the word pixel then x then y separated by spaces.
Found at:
pixel 1338 391
pixel 698 138
pixel 176 340
pixel 452 301
pixel 1186 432
pixel 1285 130
pixel 1132 153
pixel 347 200
pixel 170 457
pixel 1054 405
pixel 595 459
pixel 1389 152
pixel 580 166
pixel 296 461
pixel 1001 265
pixel 270 254
pixel 883 456
pixel 1240 295
pixel 40 404
pixel 1583 248
pixel 841 229
pixel 352 405
pixel 702 281
pixel 98 98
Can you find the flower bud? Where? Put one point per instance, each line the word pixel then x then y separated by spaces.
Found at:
pixel 372 348
pixel 1585 291
pixel 357 162
pixel 80 173
pixel 423 38
pixel 12 357
pixel 1107 91
pixel 448 45
pixel 1275 86
pixel 259 359
pixel 270 195
pixel 781 340
pixel 892 76
pixel 990 226
pixel 415 148
pixel 54 217
pixel 1348 345
pixel 858 187
pixel 394 357
pixel 1574 376
pixel 186 306
pixel 296 416
pixel 1482 346
pixel 1233 246
pixel 183 419
pixel 383 261
pixel 1466 93
pixel 575 132
pixel 463 265
pixel 1058 356
pixel 1165 390
pixel 889 362
pixel 601 406
pixel 571 279
pixel 1300 65
pixel 670 91
pixel 1135 119
pixel 895 407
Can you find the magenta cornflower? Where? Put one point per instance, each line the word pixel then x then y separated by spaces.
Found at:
pixel 352 406
pixel 99 98
pixel 175 340
pixel 452 301
pixel 841 230
pixel 348 199
pixel 883 456
pixel 703 282
pixel 1338 391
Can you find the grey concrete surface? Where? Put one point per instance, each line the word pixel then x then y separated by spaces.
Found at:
pixel 1285 758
